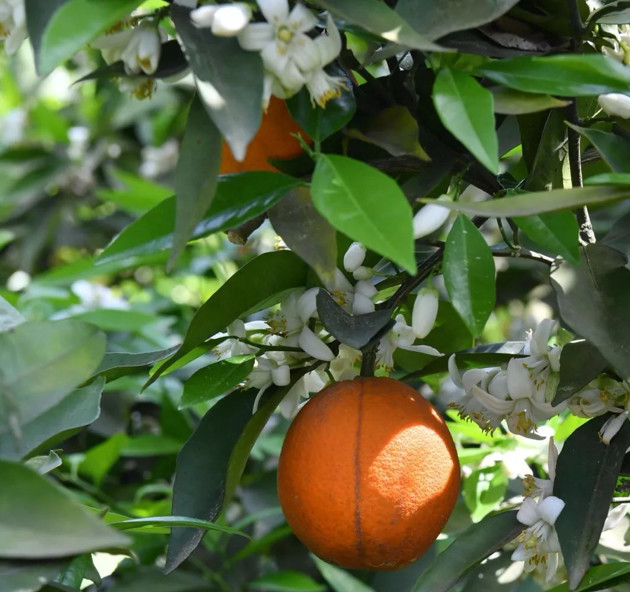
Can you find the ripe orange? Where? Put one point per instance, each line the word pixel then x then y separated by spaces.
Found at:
pixel 368 474
pixel 273 140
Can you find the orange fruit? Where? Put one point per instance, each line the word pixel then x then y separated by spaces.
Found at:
pixel 368 474
pixel 273 140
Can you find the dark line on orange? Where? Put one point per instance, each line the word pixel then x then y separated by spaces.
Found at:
pixel 357 474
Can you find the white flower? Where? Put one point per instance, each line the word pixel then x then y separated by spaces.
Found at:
pixel 600 397
pixel 142 52
pixel 345 365
pixel 312 382
pixel 354 257
pixel 265 373
pixel 225 20
pixel 612 426
pixel 233 346
pixel 428 219
pixel 615 104
pixel 425 309
pixel 12 24
pixel 539 544
pixel 112 45
pixel 96 296
pixel 140 88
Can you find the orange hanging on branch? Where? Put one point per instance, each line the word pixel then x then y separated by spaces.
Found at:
pixel 273 140
pixel 368 474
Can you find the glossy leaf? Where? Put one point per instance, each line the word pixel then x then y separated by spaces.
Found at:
pixel 366 205
pixel 117 364
pixel 257 285
pixel 564 74
pixel 600 577
pixel 484 490
pixel 539 202
pixel 467 550
pixel 353 330
pixel 580 362
pixel 466 109
pixel 557 232
pixel 286 581
pixel 78 408
pixel 513 102
pixel 205 482
pixel 469 274
pixel 306 231
pixel 239 198
pixel 38 15
pixel 613 148
pixel 215 380
pixel 586 474
pixel 152 578
pixel 377 18
pixel 339 579
pixel 228 78
pixel 40 520
pixel 28 576
pixel 99 459
pixel 80 568
pixel 436 19
pixel 73 25
pixel 593 300
pixel 196 175
pixel 174 522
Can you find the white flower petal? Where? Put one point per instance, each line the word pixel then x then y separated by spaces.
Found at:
pixel 550 508
pixel 304 53
pixel 423 349
pixel 301 18
pixel 615 104
pixel 328 44
pixel 354 257
pixel 366 288
pixel 281 376
pixel 314 346
pixel 231 19
pixel 274 11
pixel 256 36
pixel 362 305
pixel 322 87
pixel 307 304
pixel 425 309
pixel 204 15
pixel 453 371
pixel 612 426
pixel 518 379
pixel 528 512
pixel 496 406
pixel 428 219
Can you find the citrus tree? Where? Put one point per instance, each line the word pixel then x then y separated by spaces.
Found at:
pixel 396 233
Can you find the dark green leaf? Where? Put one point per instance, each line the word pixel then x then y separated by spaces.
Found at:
pixel 469 274
pixel 264 278
pixel 513 102
pixel 28 576
pixel 366 205
pixel 38 15
pixel 73 25
pixel 150 445
pixel 586 474
pixel 195 176
pixel 320 123
pixel 262 544
pixel 78 570
pixel 143 578
pixel 228 78
pixel 377 18
pixel 618 236
pixel 556 232
pixel 339 579
pixel 466 109
pixel 175 522
pixel 354 330
pixel 613 148
pixel 239 198
pixel 600 577
pixel 538 202
pixel 436 19
pixel 563 74
pixel 115 364
pixel 215 380
pixel 580 362
pixel 40 520
pixel 306 231
pixel 286 581
pixel 593 300
pixel 205 482
pixel 467 550
pixel 549 148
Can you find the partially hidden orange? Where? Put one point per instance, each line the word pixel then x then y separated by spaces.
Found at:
pixel 368 474
pixel 273 140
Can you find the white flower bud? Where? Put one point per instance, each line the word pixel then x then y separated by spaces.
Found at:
pixel 314 346
pixel 281 376
pixel 615 104
pixel 354 257
pixel 362 304
pixel 428 219
pixel 204 15
pixel 363 273
pixel 425 310
pixel 365 288
pixel 227 20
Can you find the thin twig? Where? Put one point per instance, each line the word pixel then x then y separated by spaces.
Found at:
pixel 524 254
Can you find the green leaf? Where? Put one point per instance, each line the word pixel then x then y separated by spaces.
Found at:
pixel 466 109
pixel 100 459
pixel 144 578
pixel 9 316
pixel 613 148
pixel 339 579
pixel 467 550
pixel 175 522
pixel 436 19
pixel 40 364
pixel 354 330
pixel 38 15
pixel 306 231
pixel 44 464
pixel 469 274
pixel 586 474
pixel 77 408
pixel 134 193
pixel 73 25
pixel 580 362
pixel 78 570
pixel 513 102
pixel 538 202
pixel 286 581
pixel 608 179
pixel 39 520
pixel 600 577
pixel 320 123
pixel 257 285
pixel 150 445
pixel 239 198
pixel 549 149
pixel 229 80
pixel 28 576
pixel 377 18
pixel 563 74
pixel 593 300
pixel 618 236
pixel 556 232
pixel 484 490
pixel 117 364
pixel 195 176
pixel 115 319
pixel 204 483
pixel 215 380
pixel 366 205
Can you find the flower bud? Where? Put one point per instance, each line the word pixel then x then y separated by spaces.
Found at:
pixel 424 313
pixel 615 104
pixel 281 376
pixel 354 257
pixel 428 219
pixel 362 304
pixel 363 273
